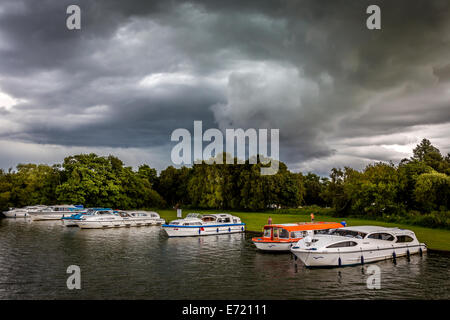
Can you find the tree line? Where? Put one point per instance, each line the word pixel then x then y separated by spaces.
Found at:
pixel 416 188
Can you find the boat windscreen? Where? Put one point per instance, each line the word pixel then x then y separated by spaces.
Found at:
pixel 298 234
pixel 324 231
pixel 194 215
pixel 349 233
pixel 104 212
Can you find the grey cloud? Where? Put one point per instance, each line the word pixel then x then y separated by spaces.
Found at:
pixel 443 73
pixel 324 78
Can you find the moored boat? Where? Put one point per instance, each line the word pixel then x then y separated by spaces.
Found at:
pixel 115 219
pixel 143 218
pixel 54 212
pixel 71 221
pixel 22 212
pixel 280 237
pixel 357 245
pixel 196 224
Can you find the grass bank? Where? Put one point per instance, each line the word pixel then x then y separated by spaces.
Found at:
pixel 437 239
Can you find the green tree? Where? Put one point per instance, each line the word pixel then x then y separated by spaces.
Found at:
pixel 428 154
pixel 105 182
pixel 314 187
pixel 334 192
pixel 34 184
pixel 408 173
pixel 173 185
pixel 149 174
pixel 379 189
pixel 432 191
pixel 5 190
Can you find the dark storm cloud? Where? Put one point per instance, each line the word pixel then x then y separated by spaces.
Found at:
pixel 139 69
pixel 443 73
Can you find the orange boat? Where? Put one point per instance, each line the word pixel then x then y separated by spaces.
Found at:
pixel 280 237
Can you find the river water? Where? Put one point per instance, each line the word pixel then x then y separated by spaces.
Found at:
pixel 143 263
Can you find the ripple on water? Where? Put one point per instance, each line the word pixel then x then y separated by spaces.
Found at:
pixel 142 263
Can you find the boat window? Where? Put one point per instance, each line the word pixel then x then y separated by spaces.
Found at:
pixel 267 233
pixel 349 233
pixel 194 215
pixel 298 234
pixel 343 244
pixel 275 233
pixel 192 224
pixel 404 239
pixel 174 223
pixel 323 231
pixel 284 234
pixel 381 236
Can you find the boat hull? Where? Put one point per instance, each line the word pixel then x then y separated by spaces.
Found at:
pixel 195 231
pixel 92 224
pixel 273 246
pixel 17 214
pixel 69 222
pixel 311 258
pixel 42 217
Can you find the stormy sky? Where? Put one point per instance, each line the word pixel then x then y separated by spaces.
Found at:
pixel 341 95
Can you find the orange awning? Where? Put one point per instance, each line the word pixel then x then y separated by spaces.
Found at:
pixel 303 226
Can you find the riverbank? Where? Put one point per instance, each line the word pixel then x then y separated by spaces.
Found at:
pixel 435 239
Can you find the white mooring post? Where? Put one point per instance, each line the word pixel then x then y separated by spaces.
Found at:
pixel 179 214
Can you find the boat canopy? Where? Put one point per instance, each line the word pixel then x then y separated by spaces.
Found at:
pixel 303 226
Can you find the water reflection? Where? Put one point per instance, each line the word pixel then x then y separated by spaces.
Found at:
pixel 143 263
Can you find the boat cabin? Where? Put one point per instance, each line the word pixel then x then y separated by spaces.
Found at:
pixel 213 218
pixel 196 219
pixel 296 231
pixel 377 233
pixel 103 212
pixel 145 214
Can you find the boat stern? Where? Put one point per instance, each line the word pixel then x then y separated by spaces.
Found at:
pixel 265 245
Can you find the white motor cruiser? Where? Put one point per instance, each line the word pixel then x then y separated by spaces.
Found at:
pixel 143 218
pixel 356 245
pixel 54 212
pixel 115 219
pixel 22 212
pixel 196 224
pixel 71 221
